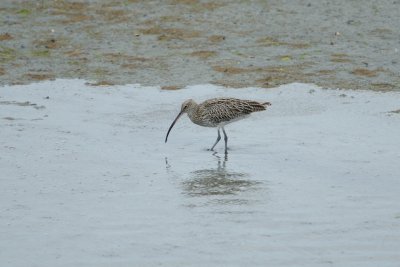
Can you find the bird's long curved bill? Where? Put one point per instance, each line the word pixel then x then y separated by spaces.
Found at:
pixel 172 125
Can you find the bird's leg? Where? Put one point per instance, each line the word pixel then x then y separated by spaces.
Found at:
pixel 216 142
pixel 226 141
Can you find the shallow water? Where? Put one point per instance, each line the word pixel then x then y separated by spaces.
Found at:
pixel 88 180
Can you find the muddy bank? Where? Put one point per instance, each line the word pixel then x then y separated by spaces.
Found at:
pixel 182 42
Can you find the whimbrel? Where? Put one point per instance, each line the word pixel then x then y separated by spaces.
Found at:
pixel 217 112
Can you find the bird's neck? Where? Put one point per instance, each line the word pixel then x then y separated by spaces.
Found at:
pixel 192 112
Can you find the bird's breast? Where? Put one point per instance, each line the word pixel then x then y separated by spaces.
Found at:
pixel 214 121
pixel 203 122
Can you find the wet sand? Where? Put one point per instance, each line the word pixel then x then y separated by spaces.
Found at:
pixel 87 180
pixel 340 44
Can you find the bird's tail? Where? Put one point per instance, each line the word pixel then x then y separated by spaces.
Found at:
pixel 266 104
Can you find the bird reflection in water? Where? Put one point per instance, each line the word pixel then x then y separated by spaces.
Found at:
pixel 219 182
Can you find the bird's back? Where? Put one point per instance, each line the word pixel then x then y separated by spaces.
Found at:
pixel 216 111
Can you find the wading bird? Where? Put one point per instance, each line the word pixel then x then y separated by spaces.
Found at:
pixel 217 112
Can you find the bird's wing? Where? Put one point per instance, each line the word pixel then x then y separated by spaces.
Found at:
pixel 219 110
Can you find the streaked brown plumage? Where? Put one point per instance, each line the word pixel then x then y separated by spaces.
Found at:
pixel 217 112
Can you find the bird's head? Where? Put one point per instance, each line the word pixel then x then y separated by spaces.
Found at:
pixel 187 106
